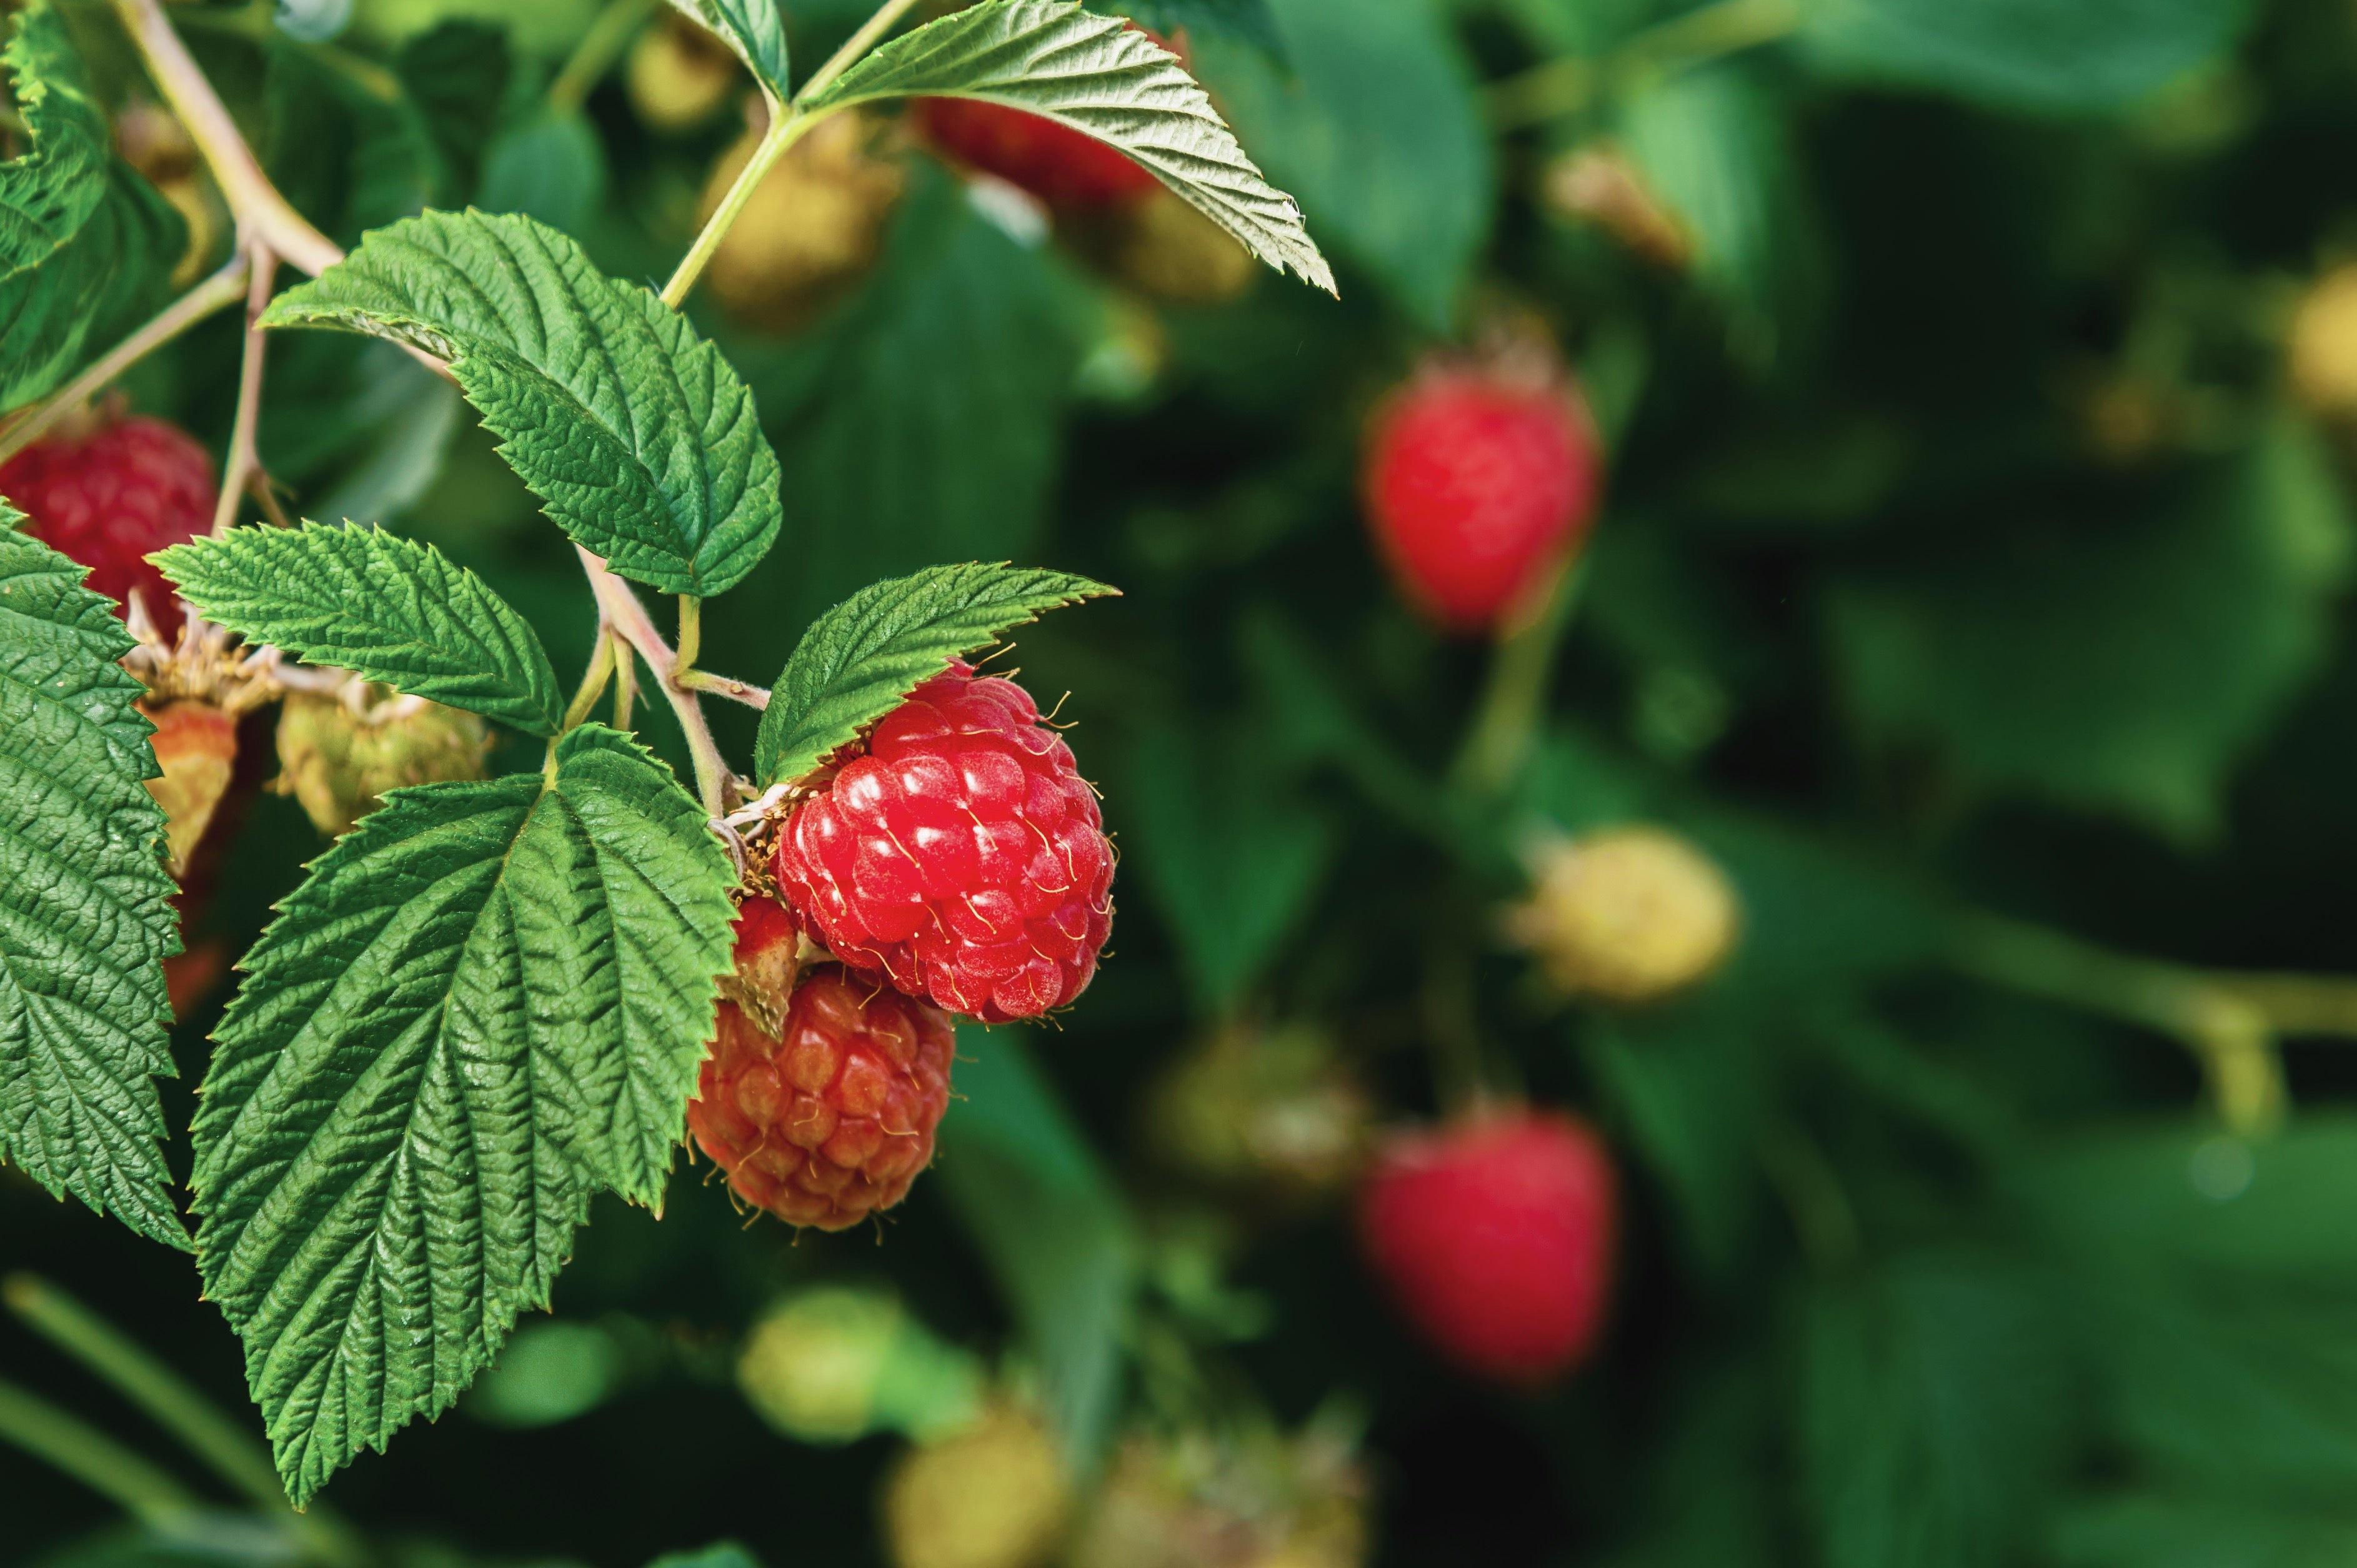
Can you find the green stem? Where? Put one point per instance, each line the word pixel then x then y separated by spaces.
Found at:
pixel 219 292
pixel 691 635
pixel 173 1404
pixel 243 462
pixel 91 1457
pixel 2223 1019
pixel 785 130
pixel 715 784
pixel 871 32
pixel 788 124
pixel 595 55
pixel 1514 702
pixel 727 686
pixel 592 682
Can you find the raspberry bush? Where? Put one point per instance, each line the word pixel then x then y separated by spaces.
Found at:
pixel 1722 756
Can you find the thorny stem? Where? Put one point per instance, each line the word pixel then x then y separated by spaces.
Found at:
pixel 243 466
pixel 175 1406
pixel 1567 85
pixel 250 195
pixel 215 292
pixel 715 784
pixel 2230 1022
pixel 595 55
pixel 788 124
pixel 91 1457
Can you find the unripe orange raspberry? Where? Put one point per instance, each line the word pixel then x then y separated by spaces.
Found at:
pixel 1627 914
pixel 831 1117
pixel 196 746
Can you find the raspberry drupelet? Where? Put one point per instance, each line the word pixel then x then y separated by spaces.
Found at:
pixel 830 1119
pixel 959 855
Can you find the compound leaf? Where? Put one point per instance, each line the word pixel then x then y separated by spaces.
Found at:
pixel 389 607
pixel 48 191
pixel 488 999
pixel 754 32
pixel 1098 76
pixel 85 918
pixel 637 436
pixel 860 658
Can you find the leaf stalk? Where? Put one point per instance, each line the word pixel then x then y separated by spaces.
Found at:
pixel 242 466
pixel 90 1456
pixel 714 783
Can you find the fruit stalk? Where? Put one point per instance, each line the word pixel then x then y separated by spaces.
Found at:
pixel 242 466
pixel 1515 699
pixel 629 621
pixel 91 1457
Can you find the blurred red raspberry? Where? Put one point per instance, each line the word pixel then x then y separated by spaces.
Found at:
pixel 1061 167
pixel 1478 482
pixel 961 856
pixel 109 497
pixel 830 1119
pixel 1495 1236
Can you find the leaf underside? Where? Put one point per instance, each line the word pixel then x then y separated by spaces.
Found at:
pixel 85 916
pixel 487 1001
pixel 857 661
pixel 637 435
pixel 1101 77
pixel 389 607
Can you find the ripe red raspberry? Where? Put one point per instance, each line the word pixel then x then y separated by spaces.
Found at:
pixel 1055 163
pixel 961 856
pixel 1495 1236
pixel 830 1119
pixel 1478 482
pixel 109 497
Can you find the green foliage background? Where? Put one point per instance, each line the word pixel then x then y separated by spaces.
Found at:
pixel 1884 607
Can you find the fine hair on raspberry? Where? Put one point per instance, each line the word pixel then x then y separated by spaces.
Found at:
pixel 958 854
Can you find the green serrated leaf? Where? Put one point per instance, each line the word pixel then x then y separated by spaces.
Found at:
pixel 1105 80
pixel 390 607
pixel 753 30
pixel 488 999
pixel 48 191
pixel 85 916
pixel 637 436
pixel 861 658
pixel 90 292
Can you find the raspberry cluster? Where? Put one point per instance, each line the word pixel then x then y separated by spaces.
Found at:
pixel 961 856
pixel 829 1118
pixel 113 496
